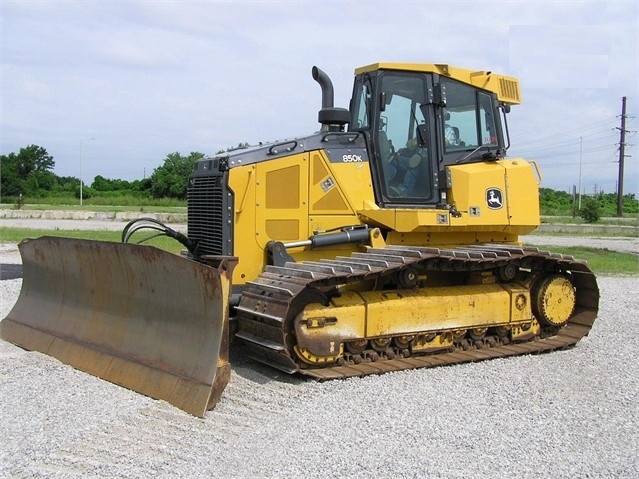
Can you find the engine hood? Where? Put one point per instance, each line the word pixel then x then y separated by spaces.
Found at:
pixel 339 141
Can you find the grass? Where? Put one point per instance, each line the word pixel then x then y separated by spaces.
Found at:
pixel 15 235
pixel 600 261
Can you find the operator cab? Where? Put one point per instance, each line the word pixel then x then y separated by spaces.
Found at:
pixel 418 120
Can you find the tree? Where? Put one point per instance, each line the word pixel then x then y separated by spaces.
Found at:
pixel 100 183
pixel 38 183
pixel 10 181
pixel 34 158
pixel 28 172
pixel 170 180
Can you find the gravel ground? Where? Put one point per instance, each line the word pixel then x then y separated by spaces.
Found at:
pixel 570 414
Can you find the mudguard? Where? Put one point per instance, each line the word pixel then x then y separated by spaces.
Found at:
pixel 137 316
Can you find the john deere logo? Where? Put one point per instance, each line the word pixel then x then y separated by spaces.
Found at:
pixel 494 198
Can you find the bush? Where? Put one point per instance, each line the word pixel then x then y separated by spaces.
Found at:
pixel 590 210
pixel 87 192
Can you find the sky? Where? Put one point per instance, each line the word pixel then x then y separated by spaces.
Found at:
pixel 111 88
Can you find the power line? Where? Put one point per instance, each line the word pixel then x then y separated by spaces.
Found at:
pixel 564 119
pixel 548 166
pixel 561 135
pixel 593 149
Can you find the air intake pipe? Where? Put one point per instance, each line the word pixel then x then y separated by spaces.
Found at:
pixel 331 118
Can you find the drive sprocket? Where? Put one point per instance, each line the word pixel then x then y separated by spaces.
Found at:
pixel 554 299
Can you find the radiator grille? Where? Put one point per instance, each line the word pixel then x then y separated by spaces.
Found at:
pixel 207 202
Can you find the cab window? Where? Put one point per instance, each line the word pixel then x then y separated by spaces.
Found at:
pixel 468 118
pixel 402 137
pixel 361 106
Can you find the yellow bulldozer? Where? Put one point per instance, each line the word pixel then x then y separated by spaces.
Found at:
pixel 387 240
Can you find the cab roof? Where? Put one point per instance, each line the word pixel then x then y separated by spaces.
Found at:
pixel 506 87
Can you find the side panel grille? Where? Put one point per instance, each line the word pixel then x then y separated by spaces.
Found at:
pixel 509 90
pixel 208 201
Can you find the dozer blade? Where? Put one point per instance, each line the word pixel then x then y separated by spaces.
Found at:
pixel 134 315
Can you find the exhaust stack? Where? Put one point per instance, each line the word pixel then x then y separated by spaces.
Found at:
pixel 331 118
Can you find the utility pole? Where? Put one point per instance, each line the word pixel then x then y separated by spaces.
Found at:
pixel 622 145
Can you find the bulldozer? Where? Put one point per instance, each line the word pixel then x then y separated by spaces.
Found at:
pixel 387 240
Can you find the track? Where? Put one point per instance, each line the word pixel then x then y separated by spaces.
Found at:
pixel 271 302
